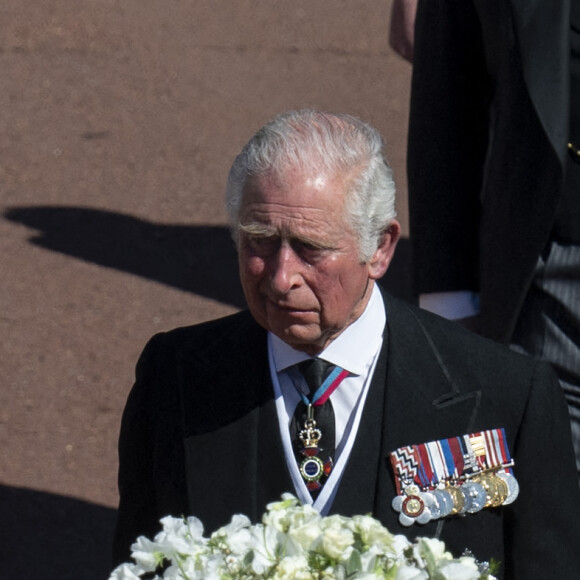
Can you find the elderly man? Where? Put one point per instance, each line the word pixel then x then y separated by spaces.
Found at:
pixel 411 418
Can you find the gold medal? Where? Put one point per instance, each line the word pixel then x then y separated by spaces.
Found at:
pixel 503 490
pixel 413 506
pixel 495 489
pixel 458 499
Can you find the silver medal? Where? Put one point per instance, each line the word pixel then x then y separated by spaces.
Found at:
pixel 513 486
pixel 475 497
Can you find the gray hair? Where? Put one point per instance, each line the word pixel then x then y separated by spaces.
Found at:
pixel 336 144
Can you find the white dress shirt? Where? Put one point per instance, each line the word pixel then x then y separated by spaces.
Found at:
pixel 356 349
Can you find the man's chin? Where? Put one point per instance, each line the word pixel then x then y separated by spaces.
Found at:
pixel 306 338
pixel 291 315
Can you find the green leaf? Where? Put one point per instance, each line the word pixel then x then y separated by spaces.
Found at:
pixel 248 558
pixel 354 563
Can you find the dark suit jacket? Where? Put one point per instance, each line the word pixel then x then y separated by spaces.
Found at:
pixel 487 143
pixel 200 436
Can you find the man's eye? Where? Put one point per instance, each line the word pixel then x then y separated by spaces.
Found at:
pixel 308 251
pixel 263 246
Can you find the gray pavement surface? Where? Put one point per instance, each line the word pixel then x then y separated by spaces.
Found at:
pixel 119 120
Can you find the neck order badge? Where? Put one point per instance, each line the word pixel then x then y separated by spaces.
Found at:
pixel 312 467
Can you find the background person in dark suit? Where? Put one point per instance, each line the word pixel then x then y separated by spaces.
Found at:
pixel 494 174
pixel 207 429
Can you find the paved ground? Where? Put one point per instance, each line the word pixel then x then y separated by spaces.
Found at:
pixel 118 123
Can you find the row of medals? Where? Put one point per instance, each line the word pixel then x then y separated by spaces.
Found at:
pixel 485 489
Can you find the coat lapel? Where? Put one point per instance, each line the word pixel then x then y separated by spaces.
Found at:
pixel 357 488
pixel 414 398
pixel 233 450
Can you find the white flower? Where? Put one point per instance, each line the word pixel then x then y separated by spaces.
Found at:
pixel 459 571
pixel 371 531
pixel 305 528
pixel 293 542
pixel 427 552
pixel 238 523
pixel 469 562
pixel 337 538
pixel 126 572
pixel 147 554
pixel 369 558
pixel 288 500
pixel 293 568
pixel 400 544
pixel 435 548
pixel 410 573
pixel 277 512
pixel 240 541
pixel 266 542
pixel 180 536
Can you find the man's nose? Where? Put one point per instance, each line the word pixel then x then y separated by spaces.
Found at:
pixel 286 270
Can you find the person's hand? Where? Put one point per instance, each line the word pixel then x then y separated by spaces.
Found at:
pixel 402 32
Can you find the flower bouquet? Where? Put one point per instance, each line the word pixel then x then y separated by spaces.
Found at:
pixel 293 542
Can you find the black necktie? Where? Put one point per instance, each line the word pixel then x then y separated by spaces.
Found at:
pixel 315 371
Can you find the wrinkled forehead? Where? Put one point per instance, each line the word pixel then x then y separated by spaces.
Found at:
pixel 298 200
pixel 295 182
pixel 312 172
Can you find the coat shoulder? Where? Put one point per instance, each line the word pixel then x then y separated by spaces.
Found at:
pixel 453 341
pixel 197 336
pixel 236 336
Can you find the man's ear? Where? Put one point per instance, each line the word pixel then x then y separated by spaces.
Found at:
pixel 379 263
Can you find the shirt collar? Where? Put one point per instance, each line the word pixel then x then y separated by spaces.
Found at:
pixel 351 349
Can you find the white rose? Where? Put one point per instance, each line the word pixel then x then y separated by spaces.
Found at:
pixel 337 542
pixel 301 515
pixel 372 531
pixel 305 533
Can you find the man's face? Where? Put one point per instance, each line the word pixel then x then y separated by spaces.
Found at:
pixel 299 259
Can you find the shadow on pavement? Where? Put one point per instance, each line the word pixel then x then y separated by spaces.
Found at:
pixel 46 536
pixel 197 259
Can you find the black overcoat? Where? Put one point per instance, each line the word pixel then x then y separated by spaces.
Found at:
pixel 200 436
pixel 488 132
